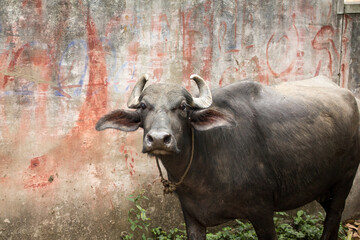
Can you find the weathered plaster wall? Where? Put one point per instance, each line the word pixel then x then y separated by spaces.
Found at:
pixel 353 54
pixel 64 63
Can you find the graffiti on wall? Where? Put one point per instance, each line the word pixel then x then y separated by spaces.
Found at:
pixel 60 70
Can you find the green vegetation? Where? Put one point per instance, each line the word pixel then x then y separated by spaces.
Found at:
pixel 137 217
pixel 300 226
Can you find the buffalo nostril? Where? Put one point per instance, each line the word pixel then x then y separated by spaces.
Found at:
pixel 167 139
pixel 150 139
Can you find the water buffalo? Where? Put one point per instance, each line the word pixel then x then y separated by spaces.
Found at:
pixel 246 150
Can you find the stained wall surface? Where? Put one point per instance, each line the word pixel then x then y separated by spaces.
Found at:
pixel 65 63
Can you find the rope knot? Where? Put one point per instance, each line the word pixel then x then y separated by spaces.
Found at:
pixel 169 187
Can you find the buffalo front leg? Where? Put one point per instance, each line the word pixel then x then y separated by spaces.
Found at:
pixel 194 230
pixel 263 224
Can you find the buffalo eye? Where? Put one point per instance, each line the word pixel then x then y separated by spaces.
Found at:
pixel 143 106
pixel 183 106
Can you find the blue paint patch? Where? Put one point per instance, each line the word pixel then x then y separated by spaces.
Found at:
pixel 117 76
pixel 133 73
pixel 111 74
pixel 57 93
pixel 232 46
pixel 77 91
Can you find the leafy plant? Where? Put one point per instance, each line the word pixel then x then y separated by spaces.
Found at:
pixel 241 231
pixel 173 234
pixel 301 226
pixel 137 216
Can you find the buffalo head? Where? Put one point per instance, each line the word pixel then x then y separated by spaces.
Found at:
pixel 166 112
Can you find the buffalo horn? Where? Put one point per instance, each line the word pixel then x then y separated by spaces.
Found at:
pixel 133 101
pixel 205 99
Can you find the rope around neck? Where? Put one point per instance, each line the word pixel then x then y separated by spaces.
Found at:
pixel 169 186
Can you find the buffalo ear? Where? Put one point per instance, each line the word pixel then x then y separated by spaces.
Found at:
pixel 209 118
pixel 123 120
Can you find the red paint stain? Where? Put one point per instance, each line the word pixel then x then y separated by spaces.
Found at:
pixel 38 5
pixel 300 53
pixel 39 60
pixel 133 53
pixel 3 60
pixel 161 45
pixel 208 52
pixel 317 72
pixel 158 72
pixel 290 67
pixel 258 70
pixel 188 48
pixel 38 181
pixel 343 72
pixel 244 68
pixel 122 148
pixel 43 64
pixel 112 24
pixel 345 41
pixel 78 141
pixel 41 173
pixel 38 162
pixel 34 163
pixel 225 73
pixel 221 36
pixel 133 49
pixel 157 25
pixel 13 62
pixel 189 22
pixel 95 104
pixel 130 164
pixel 323 41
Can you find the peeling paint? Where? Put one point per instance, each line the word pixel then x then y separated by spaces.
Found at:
pixel 64 63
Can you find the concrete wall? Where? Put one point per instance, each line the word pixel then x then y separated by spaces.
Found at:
pixel 65 63
pixel 352 37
